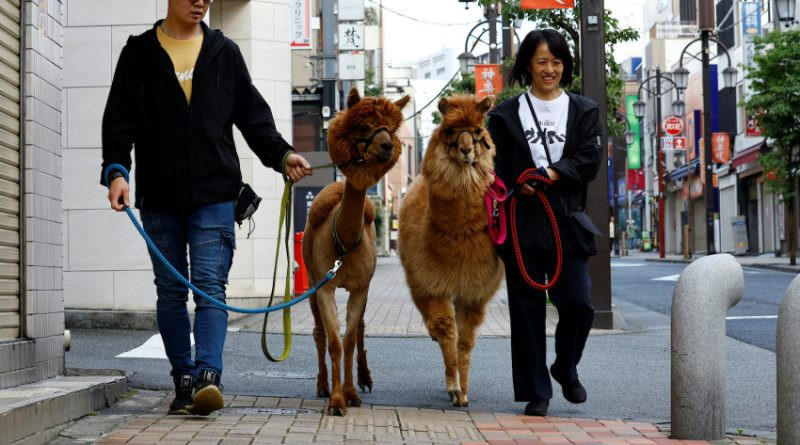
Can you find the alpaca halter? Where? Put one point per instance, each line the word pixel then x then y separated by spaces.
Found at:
pixel 358 158
pixel 482 140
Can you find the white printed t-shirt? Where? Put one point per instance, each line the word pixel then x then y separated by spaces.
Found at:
pixel 552 116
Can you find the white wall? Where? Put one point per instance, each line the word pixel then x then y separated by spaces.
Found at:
pixel 106 265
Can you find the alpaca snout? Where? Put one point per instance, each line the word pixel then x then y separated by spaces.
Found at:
pixel 387 146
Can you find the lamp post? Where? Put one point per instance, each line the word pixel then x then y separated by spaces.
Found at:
pixel 639 108
pixel 785 10
pixel 467 62
pixel 706 22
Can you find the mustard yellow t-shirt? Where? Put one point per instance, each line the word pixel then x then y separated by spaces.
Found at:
pixel 184 56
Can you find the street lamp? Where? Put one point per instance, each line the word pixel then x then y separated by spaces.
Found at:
pixel 681 77
pixel 785 11
pixel 729 75
pixel 678 108
pixel 629 138
pixel 467 62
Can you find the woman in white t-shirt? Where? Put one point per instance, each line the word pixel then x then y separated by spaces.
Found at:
pixel 565 146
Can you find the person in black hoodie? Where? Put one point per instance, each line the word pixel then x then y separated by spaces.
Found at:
pixel 565 146
pixel 177 91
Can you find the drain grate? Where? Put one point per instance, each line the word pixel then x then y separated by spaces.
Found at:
pixel 272 411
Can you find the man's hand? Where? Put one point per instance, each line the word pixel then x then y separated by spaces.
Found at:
pixel 118 194
pixel 297 167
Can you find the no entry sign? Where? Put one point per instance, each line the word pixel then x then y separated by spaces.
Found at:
pixel 672 125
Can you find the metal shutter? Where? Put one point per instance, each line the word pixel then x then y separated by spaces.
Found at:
pixel 9 169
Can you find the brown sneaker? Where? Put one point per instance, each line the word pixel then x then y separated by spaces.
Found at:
pixel 207 395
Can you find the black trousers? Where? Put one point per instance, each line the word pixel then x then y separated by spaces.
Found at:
pixel 527 308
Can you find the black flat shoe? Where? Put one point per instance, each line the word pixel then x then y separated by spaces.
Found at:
pixel 537 408
pixel 574 392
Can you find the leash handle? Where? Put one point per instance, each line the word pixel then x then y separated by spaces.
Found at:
pixel 527 175
pixel 496 194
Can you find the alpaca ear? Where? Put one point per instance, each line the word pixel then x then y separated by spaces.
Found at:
pixel 444 105
pixel 353 98
pixel 484 105
pixel 403 101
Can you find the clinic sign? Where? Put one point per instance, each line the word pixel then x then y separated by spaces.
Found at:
pixel 300 23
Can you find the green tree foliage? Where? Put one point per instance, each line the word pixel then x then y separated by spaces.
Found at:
pixel 371 88
pixel 774 102
pixel 567 21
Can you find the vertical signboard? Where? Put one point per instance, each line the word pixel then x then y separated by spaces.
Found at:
pixel 634 150
pixel 351 36
pixel 300 25
pixel 721 147
pixel 488 80
pixel 351 65
pixel 350 10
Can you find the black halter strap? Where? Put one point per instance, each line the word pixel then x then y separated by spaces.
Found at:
pixel 474 138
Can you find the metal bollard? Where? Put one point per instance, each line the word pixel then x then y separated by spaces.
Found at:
pixel 787 355
pixel 706 289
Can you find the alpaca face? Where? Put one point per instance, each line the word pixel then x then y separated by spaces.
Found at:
pixel 363 140
pixel 465 145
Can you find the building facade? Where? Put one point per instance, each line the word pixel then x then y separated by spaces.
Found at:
pixel 108 279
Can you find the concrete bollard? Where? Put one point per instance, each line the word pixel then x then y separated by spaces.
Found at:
pixel 706 289
pixel 788 365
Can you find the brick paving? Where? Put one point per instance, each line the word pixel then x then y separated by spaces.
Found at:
pixel 261 420
pixel 390 311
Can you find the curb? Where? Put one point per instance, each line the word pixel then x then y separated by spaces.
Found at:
pixel 775 267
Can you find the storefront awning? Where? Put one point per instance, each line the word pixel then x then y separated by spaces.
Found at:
pixel 683 170
pixel 747 156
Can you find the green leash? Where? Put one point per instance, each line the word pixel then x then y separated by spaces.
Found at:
pixel 285 217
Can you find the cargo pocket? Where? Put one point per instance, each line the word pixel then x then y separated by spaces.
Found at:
pixel 226 247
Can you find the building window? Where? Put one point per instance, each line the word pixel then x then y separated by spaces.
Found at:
pixel 439 71
pixel 726 19
pixel 307 126
pixel 428 75
pixel 689 11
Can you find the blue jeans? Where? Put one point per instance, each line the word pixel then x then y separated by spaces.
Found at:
pixel 209 233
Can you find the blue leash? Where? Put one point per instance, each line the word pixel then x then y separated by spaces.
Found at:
pixel 263 310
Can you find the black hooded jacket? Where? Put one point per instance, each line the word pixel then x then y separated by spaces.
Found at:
pixel 185 154
pixel 577 167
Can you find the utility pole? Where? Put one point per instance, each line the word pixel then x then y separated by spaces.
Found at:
pixel 491 16
pixel 706 23
pixel 593 74
pixel 508 35
pixel 660 159
pixel 329 68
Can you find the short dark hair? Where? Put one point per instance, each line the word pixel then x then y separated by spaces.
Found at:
pixel 520 72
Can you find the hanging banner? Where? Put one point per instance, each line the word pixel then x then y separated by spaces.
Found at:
pixel 635 180
pixel 721 147
pixel 751 20
pixel 634 150
pixel 488 80
pixel 547 4
pixel 300 24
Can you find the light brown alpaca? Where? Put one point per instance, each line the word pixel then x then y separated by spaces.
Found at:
pixel 363 143
pixel 450 262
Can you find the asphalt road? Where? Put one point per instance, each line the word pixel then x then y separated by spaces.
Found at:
pixel 627 374
pixel 637 282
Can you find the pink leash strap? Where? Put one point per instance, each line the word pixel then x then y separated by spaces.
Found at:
pixel 496 194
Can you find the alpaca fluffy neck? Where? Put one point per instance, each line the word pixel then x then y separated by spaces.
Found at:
pixel 350 223
pixel 457 213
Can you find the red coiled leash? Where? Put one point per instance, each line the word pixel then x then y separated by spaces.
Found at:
pixel 527 175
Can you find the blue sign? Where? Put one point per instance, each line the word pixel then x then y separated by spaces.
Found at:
pixel 751 19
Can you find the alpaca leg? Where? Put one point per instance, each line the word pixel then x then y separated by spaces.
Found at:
pixel 439 318
pixel 469 319
pixel 355 312
pixel 364 376
pixel 323 390
pixel 330 321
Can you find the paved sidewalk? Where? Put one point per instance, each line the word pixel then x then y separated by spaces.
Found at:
pixel 270 420
pixel 390 310
pixel 765 261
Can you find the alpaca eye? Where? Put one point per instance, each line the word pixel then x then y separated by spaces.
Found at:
pixel 363 128
pixel 448 131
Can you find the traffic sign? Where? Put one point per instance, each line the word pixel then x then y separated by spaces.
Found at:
pixel 667 143
pixel 679 143
pixel 672 125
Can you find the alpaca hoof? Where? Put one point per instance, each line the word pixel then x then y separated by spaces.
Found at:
pixel 365 386
pixel 336 411
pixel 323 393
pixel 462 403
pixel 354 403
pixel 455 396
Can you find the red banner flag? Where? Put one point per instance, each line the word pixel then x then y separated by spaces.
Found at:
pixel 488 80
pixel 547 4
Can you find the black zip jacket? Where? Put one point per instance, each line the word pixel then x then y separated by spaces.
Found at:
pixel 185 155
pixel 577 167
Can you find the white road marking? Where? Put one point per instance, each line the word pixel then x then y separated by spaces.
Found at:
pixel 152 348
pixel 753 317
pixel 667 278
pixel 616 264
